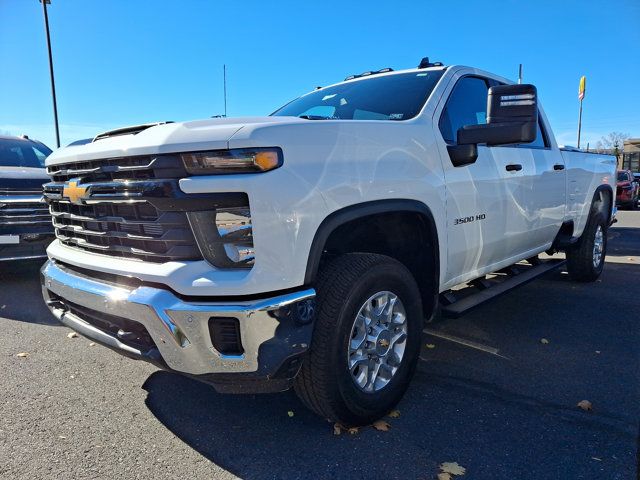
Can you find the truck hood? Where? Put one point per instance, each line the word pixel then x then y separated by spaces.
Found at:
pixel 209 134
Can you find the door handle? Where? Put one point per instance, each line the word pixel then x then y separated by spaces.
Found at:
pixel 514 167
pixel 558 167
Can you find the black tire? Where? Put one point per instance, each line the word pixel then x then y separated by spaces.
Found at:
pixel 325 383
pixel 580 258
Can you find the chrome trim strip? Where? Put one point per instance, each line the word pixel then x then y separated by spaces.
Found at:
pixel 42 208
pixel 179 329
pixel 26 257
pixel 22 199
pixel 25 222
pixel 100 169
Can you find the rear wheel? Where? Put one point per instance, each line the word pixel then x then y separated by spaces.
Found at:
pixel 366 339
pixel 585 260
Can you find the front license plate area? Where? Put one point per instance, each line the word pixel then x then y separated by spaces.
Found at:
pixel 9 239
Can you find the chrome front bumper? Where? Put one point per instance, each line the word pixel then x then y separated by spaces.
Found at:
pixel 271 330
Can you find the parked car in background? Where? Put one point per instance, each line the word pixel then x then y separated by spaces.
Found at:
pixel 628 189
pixel 25 223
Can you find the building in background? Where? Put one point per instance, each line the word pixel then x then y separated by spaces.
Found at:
pixel 631 155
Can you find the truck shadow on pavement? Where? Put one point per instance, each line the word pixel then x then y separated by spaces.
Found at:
pixel 511 415
pixel 20 294
pixel 492 414
pixel 624 241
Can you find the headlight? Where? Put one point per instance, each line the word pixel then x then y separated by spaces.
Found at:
pixel 239 160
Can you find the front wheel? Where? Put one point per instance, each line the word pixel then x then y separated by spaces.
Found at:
pixel 585 260
pixel 366 339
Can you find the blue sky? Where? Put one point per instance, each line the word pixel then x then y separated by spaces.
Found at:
pixel 123 62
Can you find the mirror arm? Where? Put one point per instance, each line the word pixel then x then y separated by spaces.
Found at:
pixel 462 155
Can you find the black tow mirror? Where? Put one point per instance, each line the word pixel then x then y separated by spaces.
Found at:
pixel 512 117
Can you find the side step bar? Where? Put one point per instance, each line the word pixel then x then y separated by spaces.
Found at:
pixel 455 303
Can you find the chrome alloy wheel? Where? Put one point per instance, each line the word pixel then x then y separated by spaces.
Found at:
pixel 598 247
pixel 377 342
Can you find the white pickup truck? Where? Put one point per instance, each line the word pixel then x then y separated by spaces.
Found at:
pixel 308 247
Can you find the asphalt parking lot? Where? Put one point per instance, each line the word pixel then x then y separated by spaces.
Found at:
pixel 505 410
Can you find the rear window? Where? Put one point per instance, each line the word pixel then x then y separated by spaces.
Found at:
pixel 623 177
pixel 17 153
pixel 386 97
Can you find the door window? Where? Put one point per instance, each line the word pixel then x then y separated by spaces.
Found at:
pixel 540 141
pixel 467 105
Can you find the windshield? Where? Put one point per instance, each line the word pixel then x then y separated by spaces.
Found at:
pixel 20 153
pixel 388 97
pixel 622 176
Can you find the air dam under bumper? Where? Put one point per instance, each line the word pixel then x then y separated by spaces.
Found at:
pixel 274 332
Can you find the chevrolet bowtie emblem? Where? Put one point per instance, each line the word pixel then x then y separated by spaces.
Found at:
pixel 73 192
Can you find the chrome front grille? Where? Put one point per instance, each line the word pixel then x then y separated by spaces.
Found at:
pixel 121 210
pixel 134 208
pixel 132 230
pixel 18 210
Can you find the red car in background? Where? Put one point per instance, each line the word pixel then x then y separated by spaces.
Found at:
pixel 628 189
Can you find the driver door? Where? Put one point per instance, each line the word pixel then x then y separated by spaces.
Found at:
pixel 485 200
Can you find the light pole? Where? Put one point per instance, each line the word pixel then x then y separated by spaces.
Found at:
pixel 53 83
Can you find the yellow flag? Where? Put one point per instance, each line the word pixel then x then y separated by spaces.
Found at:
pixel 583 87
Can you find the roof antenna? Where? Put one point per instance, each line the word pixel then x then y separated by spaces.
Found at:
pixel 425 63
pixel 520 74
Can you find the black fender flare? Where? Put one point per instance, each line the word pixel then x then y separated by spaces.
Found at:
pixel 612 199
pixel 365 209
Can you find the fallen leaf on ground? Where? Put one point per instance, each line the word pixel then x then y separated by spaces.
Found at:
pixel 353 430
pixel 394 414
pixel 22 355
pixel 444 476
pixel 585 405
pixel 92 344
pixel 381 425
pixel 596 459
pixel 452 468
pixel 597 351
pixel 290 413
pixel 337 429
pixel 544 340
pixel 430 345
pixel 72 335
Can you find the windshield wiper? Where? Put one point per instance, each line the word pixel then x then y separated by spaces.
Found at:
pixel 315 117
